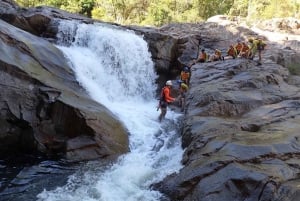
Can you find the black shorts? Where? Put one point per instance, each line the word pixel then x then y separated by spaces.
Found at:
pixel 163 104
pixel 260 47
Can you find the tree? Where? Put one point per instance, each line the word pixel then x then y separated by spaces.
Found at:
pixel 209 8
pixel 159 12
pixel 239 8
pixel 87 7
pixel 27 3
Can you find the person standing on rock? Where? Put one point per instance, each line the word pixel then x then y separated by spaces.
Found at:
pixel 165 99
pixel 260 47
pixel 183 88
pixel 256 45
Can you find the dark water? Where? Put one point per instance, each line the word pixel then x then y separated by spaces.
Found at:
pixel 22 177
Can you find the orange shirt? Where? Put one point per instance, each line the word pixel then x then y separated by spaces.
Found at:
pixel 239 47
pixel 232 51
pixel 245 47
pixel 203 56
pixel 166 94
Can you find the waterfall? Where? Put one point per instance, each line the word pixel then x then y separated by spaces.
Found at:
pixel 114 66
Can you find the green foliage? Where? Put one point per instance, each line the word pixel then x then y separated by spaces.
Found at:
pixel 267 9
pixel 87 7
pixel 209 8
pixel 57 3
pixel 71 6
pixel 159 12
pixel 189 16
pixel 27 3
pixel 239 8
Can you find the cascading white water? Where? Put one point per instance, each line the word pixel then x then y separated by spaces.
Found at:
pixel 116 69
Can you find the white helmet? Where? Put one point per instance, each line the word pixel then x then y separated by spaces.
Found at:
pixel 169 83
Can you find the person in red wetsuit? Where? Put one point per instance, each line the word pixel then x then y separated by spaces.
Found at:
pixel 165 99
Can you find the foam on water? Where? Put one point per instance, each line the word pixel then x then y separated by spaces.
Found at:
pixel 115 68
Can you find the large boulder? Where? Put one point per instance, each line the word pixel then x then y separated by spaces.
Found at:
pixel 241 127
pixel 240 135
pixel 283 25
pixel 43 108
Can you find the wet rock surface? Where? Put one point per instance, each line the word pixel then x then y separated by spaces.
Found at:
pixel 24 176
pixel 241 130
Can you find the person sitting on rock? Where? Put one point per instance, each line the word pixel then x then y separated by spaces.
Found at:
pixel 245 50
pixel 203 57
pixel 232 52
pixel 238 47
pixel 216 56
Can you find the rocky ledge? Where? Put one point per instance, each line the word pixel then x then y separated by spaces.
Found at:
pixel 241 127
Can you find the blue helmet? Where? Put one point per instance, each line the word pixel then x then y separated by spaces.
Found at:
pixel 186 69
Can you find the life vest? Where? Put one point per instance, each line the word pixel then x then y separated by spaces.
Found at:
pixel 218 53
pixel 245 50
pixel 165 95
pixel 232 51
pixel 183 87
pixel 203 56
pixel 245 47
pixel 239 47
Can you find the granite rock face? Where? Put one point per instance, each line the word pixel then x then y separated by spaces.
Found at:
pixel 241 127
pixel 44 109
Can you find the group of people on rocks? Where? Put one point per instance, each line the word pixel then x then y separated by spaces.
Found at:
pixel 204 57
pixel 240 49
